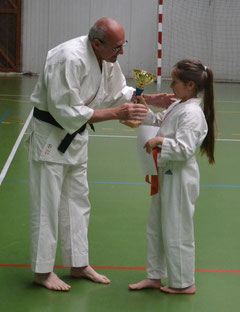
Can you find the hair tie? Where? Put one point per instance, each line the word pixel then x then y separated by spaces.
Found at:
pixel 205 69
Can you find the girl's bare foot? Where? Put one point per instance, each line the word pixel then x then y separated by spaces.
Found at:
pixel 188 290
pixel 89 273
pixel 50 281
pixel 147 283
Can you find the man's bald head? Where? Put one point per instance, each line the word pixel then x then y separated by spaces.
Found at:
pixel 105 29
pixel 107 38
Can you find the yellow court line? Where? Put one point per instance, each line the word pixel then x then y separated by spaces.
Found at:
pixel 229 102
pixel 228 112
pixel 10 100
pixel 129 130
pixel 11 122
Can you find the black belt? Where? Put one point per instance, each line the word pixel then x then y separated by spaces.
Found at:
pixel 67 140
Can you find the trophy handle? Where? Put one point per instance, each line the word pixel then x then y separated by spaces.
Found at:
pixel 139 91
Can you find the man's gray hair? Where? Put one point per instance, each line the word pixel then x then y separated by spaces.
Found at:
pixel 97 32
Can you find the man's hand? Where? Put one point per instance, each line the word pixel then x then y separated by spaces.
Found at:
pixel 162 100
pixel 126 111
pixel 130 111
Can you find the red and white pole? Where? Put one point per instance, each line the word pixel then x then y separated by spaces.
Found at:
pixel 159 60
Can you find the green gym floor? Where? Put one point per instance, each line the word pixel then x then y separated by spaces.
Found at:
pixel 120 203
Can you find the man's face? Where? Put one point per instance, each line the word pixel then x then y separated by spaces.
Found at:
pixel 112 47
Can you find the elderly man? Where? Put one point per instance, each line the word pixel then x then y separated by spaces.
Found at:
pixel 79 77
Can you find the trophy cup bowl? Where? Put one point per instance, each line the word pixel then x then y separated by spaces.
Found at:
pixel 143 78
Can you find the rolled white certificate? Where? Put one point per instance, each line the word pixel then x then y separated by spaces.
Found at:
pixel 146 133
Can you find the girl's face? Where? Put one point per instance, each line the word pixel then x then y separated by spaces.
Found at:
pixel 182 90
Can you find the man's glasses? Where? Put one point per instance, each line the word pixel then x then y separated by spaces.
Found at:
pixel 117 49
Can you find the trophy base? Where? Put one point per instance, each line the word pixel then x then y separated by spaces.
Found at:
pixel 131 123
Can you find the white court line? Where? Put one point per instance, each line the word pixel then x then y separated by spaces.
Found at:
pixel 134 137
pixel 15 147
pixel 113 136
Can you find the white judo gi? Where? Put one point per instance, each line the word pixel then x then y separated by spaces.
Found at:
pixel 170 231
pixel 70 87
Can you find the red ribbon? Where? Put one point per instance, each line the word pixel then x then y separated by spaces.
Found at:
pixel 154 178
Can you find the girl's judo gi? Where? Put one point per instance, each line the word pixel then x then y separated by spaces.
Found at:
pixel 170 232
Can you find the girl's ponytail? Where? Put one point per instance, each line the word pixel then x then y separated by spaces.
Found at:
pixel 208 144
pixel 193 70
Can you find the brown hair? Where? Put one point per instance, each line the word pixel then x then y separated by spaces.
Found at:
pixel 193 70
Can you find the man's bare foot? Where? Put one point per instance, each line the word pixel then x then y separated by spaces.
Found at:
pixel 89 273
pixel 50 281
pixel 188 290
pixel 147 283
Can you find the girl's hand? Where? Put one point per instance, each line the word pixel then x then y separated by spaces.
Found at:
pixel 138 99
pixel 152 143
pixel 134 98
pixel 141 100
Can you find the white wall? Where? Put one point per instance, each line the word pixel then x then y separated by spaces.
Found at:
pixel 205 29
pixel 47 23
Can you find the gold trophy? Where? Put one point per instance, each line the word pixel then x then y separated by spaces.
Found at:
pixel 143 78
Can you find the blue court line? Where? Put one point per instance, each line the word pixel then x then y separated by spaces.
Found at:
pixel 144 183
pixel 129 183
pixel 4 116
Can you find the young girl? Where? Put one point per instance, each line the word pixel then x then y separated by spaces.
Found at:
pixel 183 127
